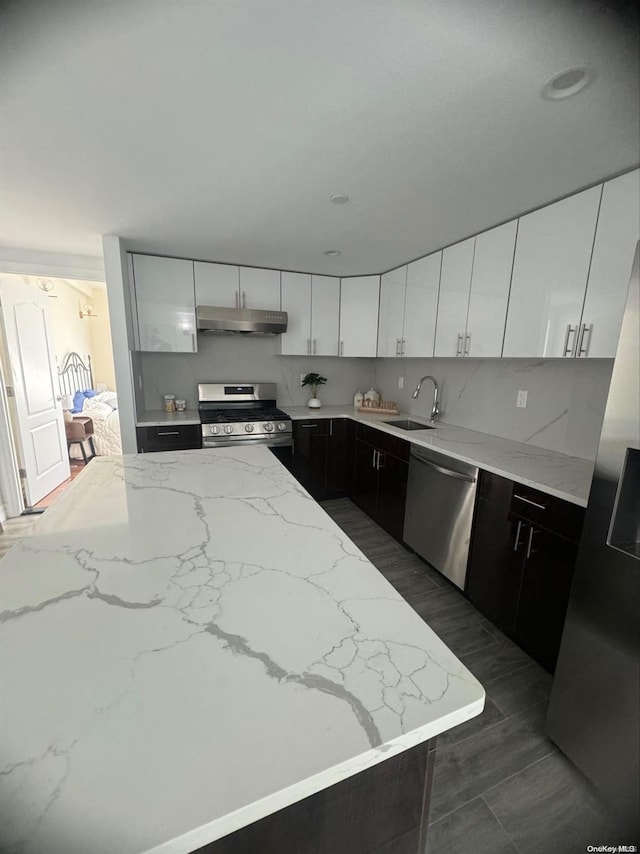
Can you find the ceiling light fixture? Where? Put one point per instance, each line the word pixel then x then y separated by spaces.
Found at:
pixel 332 252
pixel 567 83
pixel 339 199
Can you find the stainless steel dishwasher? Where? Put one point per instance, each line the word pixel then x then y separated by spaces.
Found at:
pixel 439 512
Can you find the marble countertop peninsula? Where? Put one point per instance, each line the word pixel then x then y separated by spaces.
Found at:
pixel 160 418
pixel 189 643
pixel 556 474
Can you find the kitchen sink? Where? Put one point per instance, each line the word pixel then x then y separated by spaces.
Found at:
pixel 408 424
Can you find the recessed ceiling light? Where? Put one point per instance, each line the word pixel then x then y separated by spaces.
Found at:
pixel 339 199
pixel 567 83
pixel 332 252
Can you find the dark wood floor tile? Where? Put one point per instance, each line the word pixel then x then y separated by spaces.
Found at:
pixel 464 639
pixel 520 689
pixel 496 660
pixel 473 766
pixel 405 844
pixel 471 829
pixel 446 605
pixel 490 716
pixel 548 807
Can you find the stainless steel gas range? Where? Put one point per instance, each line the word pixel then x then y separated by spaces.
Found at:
pixel 242 414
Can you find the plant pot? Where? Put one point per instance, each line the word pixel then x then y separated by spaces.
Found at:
pixel 314 403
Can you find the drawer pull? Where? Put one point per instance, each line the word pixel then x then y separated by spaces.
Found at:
pixel 171 433
pixel 306 426
pixel 532 503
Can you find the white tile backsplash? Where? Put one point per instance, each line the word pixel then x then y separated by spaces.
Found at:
pixel 235 357
pixel 565 404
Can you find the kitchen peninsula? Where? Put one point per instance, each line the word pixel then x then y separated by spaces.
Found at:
pixel 189 645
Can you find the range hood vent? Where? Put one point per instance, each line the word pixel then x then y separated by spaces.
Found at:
pixel 241 321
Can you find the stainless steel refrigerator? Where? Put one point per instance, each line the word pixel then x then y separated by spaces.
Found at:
pixel 594 714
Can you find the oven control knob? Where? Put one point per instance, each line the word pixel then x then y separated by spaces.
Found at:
pixel 248 428
pixel 268 426
pixel 214 430
pixel 282 426
pixel 228 428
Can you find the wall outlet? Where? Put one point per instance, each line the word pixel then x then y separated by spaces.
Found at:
pixel 400 382
pixel 521 400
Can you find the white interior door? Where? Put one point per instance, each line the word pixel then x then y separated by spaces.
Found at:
pixel 39 413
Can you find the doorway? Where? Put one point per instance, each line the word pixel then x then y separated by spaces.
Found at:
pixel 50 328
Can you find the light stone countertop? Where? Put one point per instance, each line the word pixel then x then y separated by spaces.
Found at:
pixel 189 643
pixel 160 418
pixel 556 474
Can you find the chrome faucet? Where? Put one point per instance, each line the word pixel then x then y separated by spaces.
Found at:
pixel 435 407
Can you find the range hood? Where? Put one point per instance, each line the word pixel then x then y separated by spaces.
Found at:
pixel 242 321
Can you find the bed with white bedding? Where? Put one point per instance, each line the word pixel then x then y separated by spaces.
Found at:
pixel 75 379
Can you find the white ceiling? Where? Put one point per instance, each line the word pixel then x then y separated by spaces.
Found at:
pixel 218 129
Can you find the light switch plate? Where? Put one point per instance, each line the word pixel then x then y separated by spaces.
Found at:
pixel 400 382
pixel 521 400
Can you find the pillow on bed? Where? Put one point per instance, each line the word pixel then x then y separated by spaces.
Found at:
pixel 79 398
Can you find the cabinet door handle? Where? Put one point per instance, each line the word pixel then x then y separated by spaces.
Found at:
pixel 585 331
pixel 467 343
pixel 381 457
pixel 342 348
pixel 306 426
pixel 532 503
pixel 169 433
pixel 314 346
pixel 402 346
pixel 568 350
pixel 397 346
pixel 244 299
pixel 373 462
pixel 193 342
pixel 459 347
pixel 516 544
pixel 237 296
pixel 308 346
pixel 532 531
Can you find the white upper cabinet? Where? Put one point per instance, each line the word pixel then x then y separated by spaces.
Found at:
pixel 296 301
pixel 553 252
pixel 359 297
pixel 165 303
pixel 617 233
pixel 216 284
pixel 325 315
pixel 313 306
pixel 421 306
pixel 259 288
pixel 455 283
pixel 391 322
pixel 490 281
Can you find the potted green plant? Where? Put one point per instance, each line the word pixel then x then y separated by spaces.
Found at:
pixel 314 381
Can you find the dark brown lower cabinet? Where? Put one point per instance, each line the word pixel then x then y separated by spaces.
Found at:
pixel 380 475
pixel 383 810
pixel 319 456
pixel 523 553
pixel 169 437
